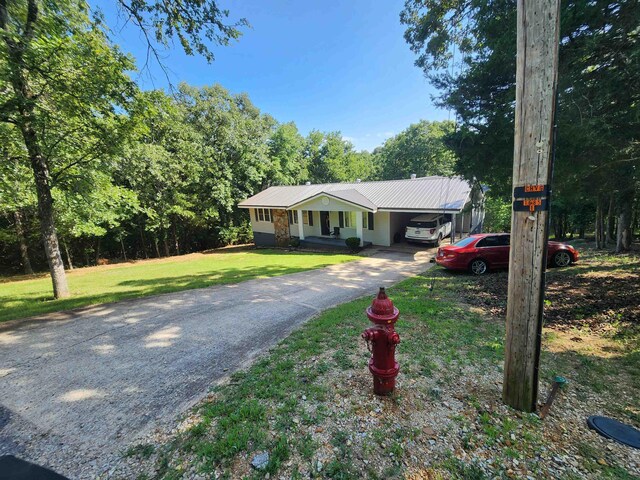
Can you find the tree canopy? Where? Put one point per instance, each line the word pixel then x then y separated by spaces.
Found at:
pixel 467 50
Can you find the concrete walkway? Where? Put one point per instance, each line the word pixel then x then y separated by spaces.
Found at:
pixel 75 392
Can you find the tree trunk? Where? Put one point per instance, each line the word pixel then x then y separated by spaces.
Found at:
pixel 68 254
pixel 24 249
pixel 124 253
pixel 600 224
pixel 597 225
pixel 144 243
pixel 26 121
pixel 97 252
pixel 165 241
pixel 45 213
pixel 175 240
pixel 86 252
pixel 155 244
pixel 623 240
pixel 610 230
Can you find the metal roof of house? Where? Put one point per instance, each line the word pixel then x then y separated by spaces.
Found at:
pixel 435 194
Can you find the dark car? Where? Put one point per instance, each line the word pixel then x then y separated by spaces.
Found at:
pixel 482 252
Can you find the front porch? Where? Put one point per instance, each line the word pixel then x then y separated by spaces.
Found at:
pixel 326 242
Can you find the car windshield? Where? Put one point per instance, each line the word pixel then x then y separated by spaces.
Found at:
pixel 464 242
pixel 415 224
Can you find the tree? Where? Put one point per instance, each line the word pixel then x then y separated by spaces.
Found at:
pixel 330 158
pixel 48 50
pixel 286 149
pixel 16 189
pixel 467 50
pixel 419 149
pixel 195 23
pixel 163 165
pixel 234 135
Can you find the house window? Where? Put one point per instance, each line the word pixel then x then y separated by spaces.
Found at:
pixel 263 215
pixel 293 216
pixel 347 219
pixel 307 217
pixel 367 220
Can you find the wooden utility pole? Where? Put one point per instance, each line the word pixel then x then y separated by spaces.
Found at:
pixel 536 79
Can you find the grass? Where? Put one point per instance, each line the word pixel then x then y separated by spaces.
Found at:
pixel 309 402
pixel 28 296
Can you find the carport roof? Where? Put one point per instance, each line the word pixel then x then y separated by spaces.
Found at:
pixel 427 194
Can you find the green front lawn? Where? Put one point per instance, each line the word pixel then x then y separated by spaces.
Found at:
pixel 24 297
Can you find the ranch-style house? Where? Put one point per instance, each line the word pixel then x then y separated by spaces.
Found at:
pixel 375 212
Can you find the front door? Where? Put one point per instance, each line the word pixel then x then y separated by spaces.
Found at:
pixel 325 228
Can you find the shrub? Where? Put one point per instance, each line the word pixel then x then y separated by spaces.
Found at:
pixel 353 243
pixel 294 242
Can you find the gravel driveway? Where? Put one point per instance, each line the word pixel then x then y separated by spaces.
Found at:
pixel 78 388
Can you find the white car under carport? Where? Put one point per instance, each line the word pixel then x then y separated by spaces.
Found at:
pixel 428 228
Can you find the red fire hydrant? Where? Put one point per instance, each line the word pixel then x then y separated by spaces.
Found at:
pixel 381 341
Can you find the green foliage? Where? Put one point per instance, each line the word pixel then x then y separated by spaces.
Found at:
pixel 286 150
pixel 353 243
pixel 497 214
pixel 419 149
pixel 194 23
pixel 467 49
pixel 294 242
pixel 330 158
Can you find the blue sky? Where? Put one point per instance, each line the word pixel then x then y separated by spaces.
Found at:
pixel 326 65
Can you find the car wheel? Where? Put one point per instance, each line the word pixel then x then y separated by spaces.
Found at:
pixel 478 267
pixel 439 240
pixel 562 259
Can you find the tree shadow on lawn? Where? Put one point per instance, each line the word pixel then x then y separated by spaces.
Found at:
pixel 154 286
pixel 27 306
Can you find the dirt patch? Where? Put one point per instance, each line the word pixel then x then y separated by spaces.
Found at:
pixel 601 292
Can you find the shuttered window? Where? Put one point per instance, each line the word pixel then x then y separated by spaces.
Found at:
pixel 370 220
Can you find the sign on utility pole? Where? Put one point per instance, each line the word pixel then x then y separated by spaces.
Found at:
pixel 536 79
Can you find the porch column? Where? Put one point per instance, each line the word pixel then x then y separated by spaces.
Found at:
pixel 359 232
pixel 300 225
pixel 453 228
pixel 462 226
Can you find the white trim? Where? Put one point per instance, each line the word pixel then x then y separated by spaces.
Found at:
pixel 300 225
pixel 313 197
pixel 413 210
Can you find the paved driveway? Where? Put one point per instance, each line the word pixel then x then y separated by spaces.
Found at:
pixel 74 392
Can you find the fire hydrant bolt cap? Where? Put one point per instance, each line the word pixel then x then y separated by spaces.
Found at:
pixel 382 305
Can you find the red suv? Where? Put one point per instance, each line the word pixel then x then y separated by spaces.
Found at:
pixel 479 253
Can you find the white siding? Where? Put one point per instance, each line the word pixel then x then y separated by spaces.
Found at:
pixel 334 205
pixel 380 234
pixel 313 231
pixel 258 226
